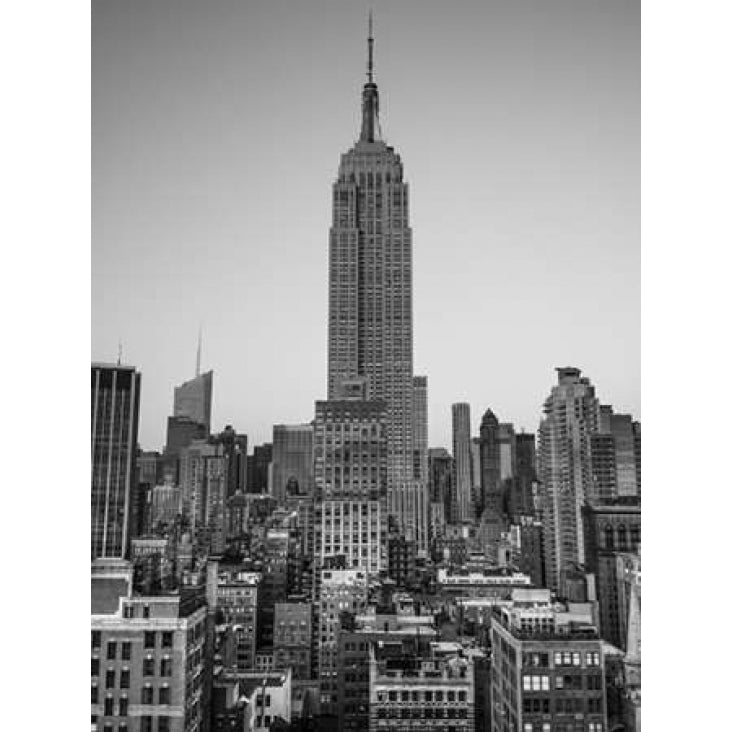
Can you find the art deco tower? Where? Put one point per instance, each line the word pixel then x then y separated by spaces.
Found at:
pixel 370 297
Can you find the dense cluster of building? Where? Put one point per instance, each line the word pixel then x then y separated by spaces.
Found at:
pixel 346 576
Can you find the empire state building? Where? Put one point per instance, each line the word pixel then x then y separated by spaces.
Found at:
pixel 370 300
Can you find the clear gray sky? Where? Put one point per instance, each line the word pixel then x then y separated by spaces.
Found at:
pixel 216 134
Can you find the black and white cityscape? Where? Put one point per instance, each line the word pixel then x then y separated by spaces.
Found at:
pixel 348 572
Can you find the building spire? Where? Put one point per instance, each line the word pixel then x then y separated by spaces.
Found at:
pixel 198 352
pixel 370 96
pixel 370 74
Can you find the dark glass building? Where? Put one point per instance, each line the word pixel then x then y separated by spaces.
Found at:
pixel 115 408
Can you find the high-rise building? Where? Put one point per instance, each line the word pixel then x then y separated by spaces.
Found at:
pixel 292 460
pixel 192 399
pixel 115 409
pixel 614 447
pixel 370 298
pixel 548 666
pixel 571 414
pixel 181 432
pixel 521 498
pixel 440 484
pixel 235 451
pixel 463 482
pixel 259 469
pixel 490 463
pixel 350 470
pixel 420 428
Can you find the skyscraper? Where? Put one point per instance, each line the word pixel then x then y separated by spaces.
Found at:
pixel 463 510
pixel 370 297
pixel 571 414
pixel 192 399
pixel 490 462
pixel 115 409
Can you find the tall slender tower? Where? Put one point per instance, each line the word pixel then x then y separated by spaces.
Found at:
pixel 571 414
pixel 115 409
pixel 370 298
pixel 463 482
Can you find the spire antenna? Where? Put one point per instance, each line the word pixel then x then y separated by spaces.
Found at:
pixel 198 352
pixel 370 73
pixel 119 353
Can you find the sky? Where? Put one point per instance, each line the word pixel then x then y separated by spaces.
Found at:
pixel 217 130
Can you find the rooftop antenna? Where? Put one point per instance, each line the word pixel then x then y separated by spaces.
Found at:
pixel 370 71
pixel 198 352
pixel 119 353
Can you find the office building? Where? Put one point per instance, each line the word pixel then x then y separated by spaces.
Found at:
pixel 192 399
pixel 390 623
pixel 548 666
pixel 490 464
pixel 419 428
pixel 440 488
pixel 115 410
pixel 293 635
pixel 234 449
pixel 147 656
pixel 181 432
pixel 612 540
pixel 614 448
pixel 421 685
pixel 292 460
pixel 462 510
pixel 236 600
pixel 571 414
pixel 259 469
pixel 521 498
pixel 370 299
pixel 340 590
pixel 350 471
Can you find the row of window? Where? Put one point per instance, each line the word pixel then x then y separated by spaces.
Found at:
pixel 146 695
pixel 423 713
pixel 417 696
pixel 148 669
pixel 562 727
pixel 150 641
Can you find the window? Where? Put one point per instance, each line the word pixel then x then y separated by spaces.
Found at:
pixel 146 611
pixel 94 694
pixel 528 727
pixel 546 727
pixel 164 695
pixel 111 650
pixel 109 680
pixel 595 727
pixel 594 682
pixel 166 667
pixel 594 705
pixel 149 639
pixel 96 638
pixel 576 659
pixel 163 724
pixel 108 728
pixel 95 667
pixel 536 683
pixel 124 678
pixel 167 640
pixel 593 658
pixel 126 651
pixel 148 667
pixel 109 707
pixel 123 707
pixel 146 725
pixel 147 695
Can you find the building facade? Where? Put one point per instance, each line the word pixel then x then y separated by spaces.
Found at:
pixel 292 460
pixel 192 399
pixel 462 509
pixel 115 410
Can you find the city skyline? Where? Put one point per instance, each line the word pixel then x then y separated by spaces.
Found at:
pixel 459 335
